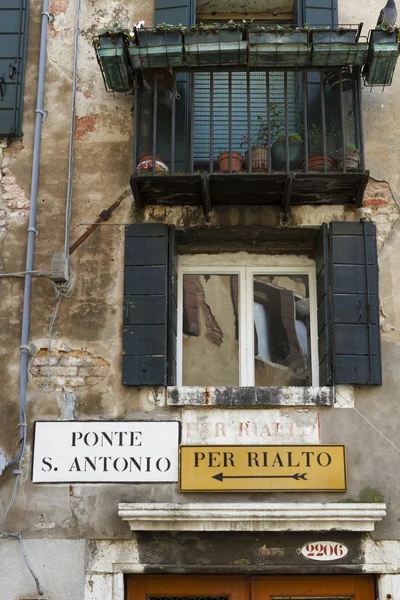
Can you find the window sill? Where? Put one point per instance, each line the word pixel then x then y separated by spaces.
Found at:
pixel 249 397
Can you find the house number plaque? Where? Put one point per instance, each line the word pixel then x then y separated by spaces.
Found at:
pixel 324 551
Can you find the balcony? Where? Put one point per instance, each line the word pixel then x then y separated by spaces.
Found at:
pixel 228 136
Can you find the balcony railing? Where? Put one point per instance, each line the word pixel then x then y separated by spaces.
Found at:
pixel 248 136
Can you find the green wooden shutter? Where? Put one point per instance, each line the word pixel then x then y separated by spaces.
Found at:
pixel 317 12
pixel 348 304
pixel 13 39
pixel 324 307
pixel 149 320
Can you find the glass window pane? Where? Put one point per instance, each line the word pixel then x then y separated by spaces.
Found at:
pixel 281 330
pixel 210 344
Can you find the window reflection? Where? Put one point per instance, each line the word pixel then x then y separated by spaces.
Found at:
pixel 210 345
pixel 281 330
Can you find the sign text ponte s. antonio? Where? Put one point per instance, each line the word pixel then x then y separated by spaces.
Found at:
pixel 262 468
pixel 105 451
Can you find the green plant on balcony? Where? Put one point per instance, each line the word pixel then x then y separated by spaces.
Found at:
pixel 267 131
pixel 215 44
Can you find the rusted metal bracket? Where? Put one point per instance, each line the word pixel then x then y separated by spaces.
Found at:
pixel 205 195
pixel 103 216
pixel 286 197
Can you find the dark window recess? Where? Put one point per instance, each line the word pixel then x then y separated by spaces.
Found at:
pixel 13 39
pixel 150 310
pixel 348 304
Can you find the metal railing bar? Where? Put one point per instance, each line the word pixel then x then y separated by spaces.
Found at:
pixel 211 167
pixel 173 123
pixel 155 100
pixel 268 90
pixel 360 119
pixel 191 133
pixel 135 121
pixel 305 119
pixel 342 120
pixel 249 150
pixel 323 120
pixel 230 119
pixel 286 121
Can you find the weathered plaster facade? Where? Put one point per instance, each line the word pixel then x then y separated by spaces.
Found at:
pixel 77 526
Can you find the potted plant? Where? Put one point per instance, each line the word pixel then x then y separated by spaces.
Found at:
pixel 382 57
pixel 260 139
pixel 223 161
pixel 159 46
pixel 315 147
pixel 337 47
pixel 215 44
pixel 352 158
pixel 279 150
pixel 112 55
pixel 278 45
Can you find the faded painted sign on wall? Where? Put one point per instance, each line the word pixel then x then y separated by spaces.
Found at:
pixel 216 426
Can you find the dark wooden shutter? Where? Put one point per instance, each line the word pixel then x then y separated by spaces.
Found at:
pixel 348 304
pixel 324 306
pixel 317 12
pixel 13 38
pixel 150 311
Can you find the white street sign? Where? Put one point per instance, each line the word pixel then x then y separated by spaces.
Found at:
pixel 105 451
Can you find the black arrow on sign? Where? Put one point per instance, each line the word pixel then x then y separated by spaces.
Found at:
pixel 297 476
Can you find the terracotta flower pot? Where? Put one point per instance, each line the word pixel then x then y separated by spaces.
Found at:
pixel 316 162
pixel 223 162
pixel 352 160
pixel 149 157
pixel 259 158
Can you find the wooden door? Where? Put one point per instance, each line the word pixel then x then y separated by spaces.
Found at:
pixel 227 587
pixel 312 587
pixel 170 587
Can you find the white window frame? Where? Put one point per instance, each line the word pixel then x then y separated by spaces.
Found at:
pixel 246 312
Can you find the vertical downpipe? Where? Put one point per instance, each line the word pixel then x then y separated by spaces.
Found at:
pixel 32 228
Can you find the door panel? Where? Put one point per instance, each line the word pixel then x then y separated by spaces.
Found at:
pixel 308 588
pixel 169 587
pixel 161 587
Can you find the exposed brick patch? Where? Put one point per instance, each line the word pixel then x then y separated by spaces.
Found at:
pixel 59 6
pixel 69 370
pixel 380 207
pixel 85 125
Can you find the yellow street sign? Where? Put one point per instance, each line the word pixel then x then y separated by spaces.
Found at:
pixel 262 469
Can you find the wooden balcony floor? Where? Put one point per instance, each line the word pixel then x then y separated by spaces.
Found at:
pixel 245 189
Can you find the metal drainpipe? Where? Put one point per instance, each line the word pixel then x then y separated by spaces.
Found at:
pixel 32 230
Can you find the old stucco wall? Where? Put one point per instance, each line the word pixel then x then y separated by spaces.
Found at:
pixel 85 382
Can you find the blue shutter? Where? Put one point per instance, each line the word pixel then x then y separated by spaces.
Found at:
pixel 149 320
pixel 175 12
pixel 348 304
pixel 258 103
pixel 317 12
pixel 13 39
